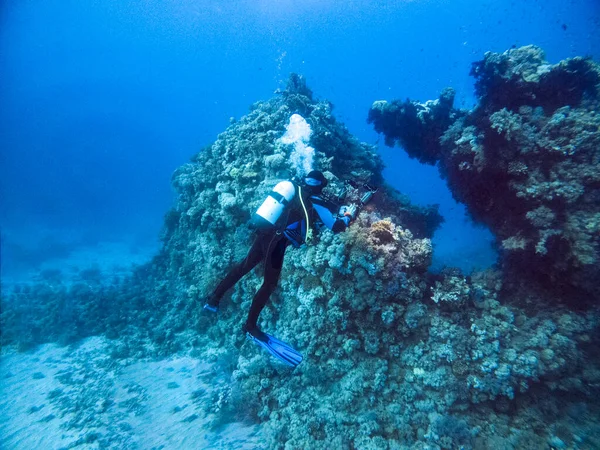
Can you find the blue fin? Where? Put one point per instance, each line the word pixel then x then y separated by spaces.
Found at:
pixel 211 308
pixel 279 349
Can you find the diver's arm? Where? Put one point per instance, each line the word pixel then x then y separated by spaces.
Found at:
pixel 330 219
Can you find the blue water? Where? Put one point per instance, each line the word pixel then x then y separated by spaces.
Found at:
pixel 101 101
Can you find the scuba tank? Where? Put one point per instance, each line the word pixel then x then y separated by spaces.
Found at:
pixel 267 215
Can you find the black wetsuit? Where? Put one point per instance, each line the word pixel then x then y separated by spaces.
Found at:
pixel 269 246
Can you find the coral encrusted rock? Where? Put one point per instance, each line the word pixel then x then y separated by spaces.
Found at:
pixel 525 161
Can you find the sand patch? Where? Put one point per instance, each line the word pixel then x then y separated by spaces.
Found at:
pixel 60 397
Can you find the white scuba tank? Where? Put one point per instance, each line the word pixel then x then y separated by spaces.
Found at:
pixel 270 211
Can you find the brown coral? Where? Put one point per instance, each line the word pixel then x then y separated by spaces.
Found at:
pixel 382 232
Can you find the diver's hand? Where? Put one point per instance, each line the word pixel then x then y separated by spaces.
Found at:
pixel 349 211
pixel 353 210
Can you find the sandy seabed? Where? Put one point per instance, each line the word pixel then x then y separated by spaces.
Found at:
pixel 80 397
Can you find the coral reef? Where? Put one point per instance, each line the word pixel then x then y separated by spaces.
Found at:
pixel 525 161
pixel 395 357
pixel 417 127
pixel 426 366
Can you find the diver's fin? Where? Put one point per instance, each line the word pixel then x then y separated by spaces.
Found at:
pixel 279 349
pixel 211 308
pixel 211 304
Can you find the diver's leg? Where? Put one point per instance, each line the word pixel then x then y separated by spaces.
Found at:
pixel 254 256
pixel 273 264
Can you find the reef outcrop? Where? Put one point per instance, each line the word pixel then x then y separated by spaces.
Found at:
pixel 525 161
pixel 395 357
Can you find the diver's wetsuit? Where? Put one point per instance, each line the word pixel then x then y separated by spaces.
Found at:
pixel 267 246
pixel 270 246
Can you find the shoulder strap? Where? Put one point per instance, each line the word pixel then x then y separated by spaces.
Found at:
pixel 309 236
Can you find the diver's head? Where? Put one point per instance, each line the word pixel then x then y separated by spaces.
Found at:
pixel 315 181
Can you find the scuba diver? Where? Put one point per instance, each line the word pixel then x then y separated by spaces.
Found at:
pixel 285 218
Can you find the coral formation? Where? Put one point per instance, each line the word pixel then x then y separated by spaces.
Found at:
pixel 417 127
pixel 395 357
pixel 525 161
